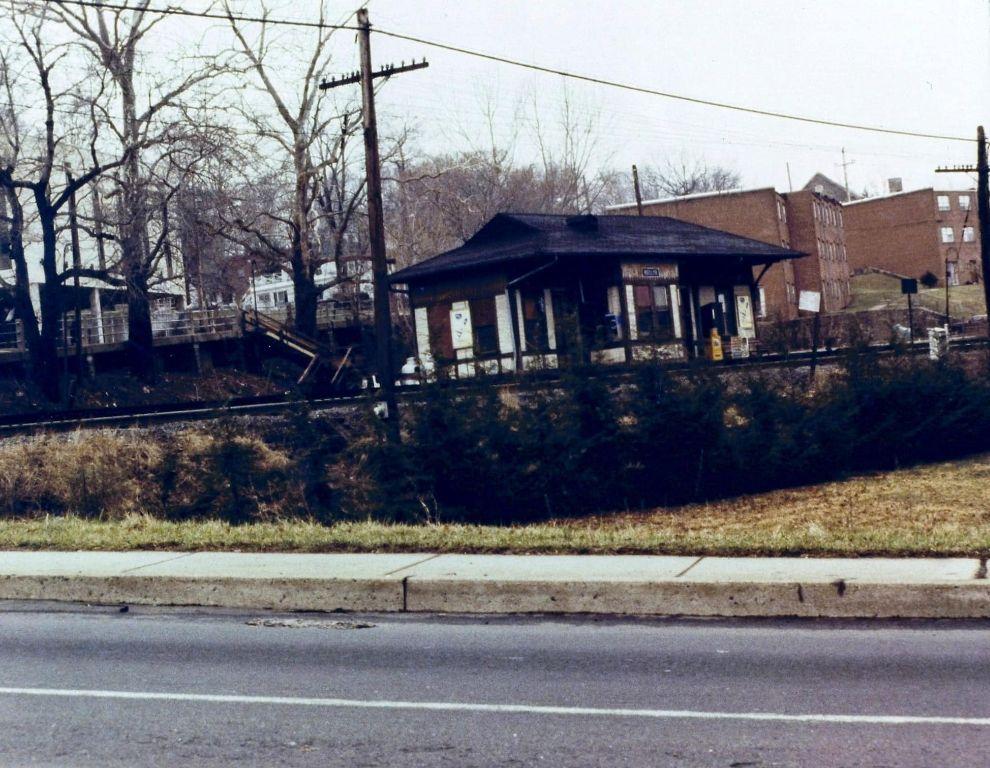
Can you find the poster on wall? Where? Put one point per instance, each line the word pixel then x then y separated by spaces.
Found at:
pixel 744 317
pixel 460 326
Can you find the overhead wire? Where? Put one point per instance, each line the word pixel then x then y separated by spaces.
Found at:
pixel 528 65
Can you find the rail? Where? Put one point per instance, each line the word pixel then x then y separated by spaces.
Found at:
pixel 205 410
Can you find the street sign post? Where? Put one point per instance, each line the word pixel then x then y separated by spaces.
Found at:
pixel 811 301
pixel 909 286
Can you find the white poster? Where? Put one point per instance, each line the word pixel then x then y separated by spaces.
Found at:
pixel 744 316
pixel 810 301
pixel 460 325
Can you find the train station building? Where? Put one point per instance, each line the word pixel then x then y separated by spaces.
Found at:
pixel 537 290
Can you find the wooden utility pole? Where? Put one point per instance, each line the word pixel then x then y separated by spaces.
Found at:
pixel 376 223
pixel 639 195
pixel 982 171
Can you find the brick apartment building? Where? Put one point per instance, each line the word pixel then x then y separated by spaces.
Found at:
pixel 911 233
pixel 804 221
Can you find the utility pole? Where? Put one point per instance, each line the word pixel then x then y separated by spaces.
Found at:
pixel 845 172
pixel 376 224
pixel 982 171
pixel 639 195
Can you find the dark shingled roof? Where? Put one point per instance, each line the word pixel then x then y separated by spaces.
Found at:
pixel 515 236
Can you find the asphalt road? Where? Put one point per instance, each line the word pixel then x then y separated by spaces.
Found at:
pixel 96 687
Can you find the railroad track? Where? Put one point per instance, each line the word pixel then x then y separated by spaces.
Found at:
pixel 271 404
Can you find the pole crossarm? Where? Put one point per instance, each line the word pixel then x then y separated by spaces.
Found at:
pixel 957 169
pixel 386 71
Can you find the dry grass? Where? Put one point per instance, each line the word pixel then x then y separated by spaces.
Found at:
pixel 936 510
pixel 117 474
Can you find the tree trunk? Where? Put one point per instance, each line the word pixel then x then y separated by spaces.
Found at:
pixel 303 268
pixel 305 293
pixel 134 264
pixel 44 362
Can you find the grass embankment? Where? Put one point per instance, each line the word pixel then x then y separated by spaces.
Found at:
pixel 877 291
pixel 935 510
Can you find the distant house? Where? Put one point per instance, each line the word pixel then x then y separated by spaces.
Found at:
pixel 911 233
pixel 530 290
pixel 806 221
pixel 823 185
pixel 103 304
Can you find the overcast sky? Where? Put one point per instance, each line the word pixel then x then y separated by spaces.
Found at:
pixel 921 65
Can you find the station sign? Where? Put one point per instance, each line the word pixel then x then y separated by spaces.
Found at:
pixel 663 272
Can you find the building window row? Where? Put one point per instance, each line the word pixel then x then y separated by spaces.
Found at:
pixel 827 214
pixel 831 251
pixel 948 234
pixel 945 202
pixel 781 211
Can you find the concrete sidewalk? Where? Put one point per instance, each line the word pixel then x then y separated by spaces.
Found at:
pixel 627 584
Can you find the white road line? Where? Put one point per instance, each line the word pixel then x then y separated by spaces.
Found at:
pixel 527 709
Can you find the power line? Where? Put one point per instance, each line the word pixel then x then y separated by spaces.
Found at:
pixel 203 14
pixel 665 94
pixel 524 65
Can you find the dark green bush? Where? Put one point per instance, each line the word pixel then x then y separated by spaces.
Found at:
pixel 588 444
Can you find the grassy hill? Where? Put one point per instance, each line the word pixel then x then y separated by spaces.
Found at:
pixel 876 291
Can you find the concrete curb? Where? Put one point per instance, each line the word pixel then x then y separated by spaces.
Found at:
pixel 494 584
pixel 726 599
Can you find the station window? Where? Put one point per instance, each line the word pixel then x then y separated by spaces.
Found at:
pixel 535 321
pixel 438 322
pixel 281 298
pixel 484 326
pixel 943 202
pixel 948 236
pixel 969 235
pixel 654 318
pixel 964 202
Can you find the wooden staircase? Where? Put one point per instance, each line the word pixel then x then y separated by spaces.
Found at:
pixel 316 352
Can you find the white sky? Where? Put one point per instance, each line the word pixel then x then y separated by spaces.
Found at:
pixel 919 65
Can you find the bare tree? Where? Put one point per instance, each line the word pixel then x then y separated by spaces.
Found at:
pixel 436 203
pixel 29 163
pixel 676 178
pixel 310 144
pixel 112 37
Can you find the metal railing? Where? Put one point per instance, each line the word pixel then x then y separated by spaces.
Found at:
pixel 111 327
pixel 11 336
pixel 329 314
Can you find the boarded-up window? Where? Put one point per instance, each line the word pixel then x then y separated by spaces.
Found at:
pixel 438 320
pixel 535 321
pixel 485 325
pixel 654 319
